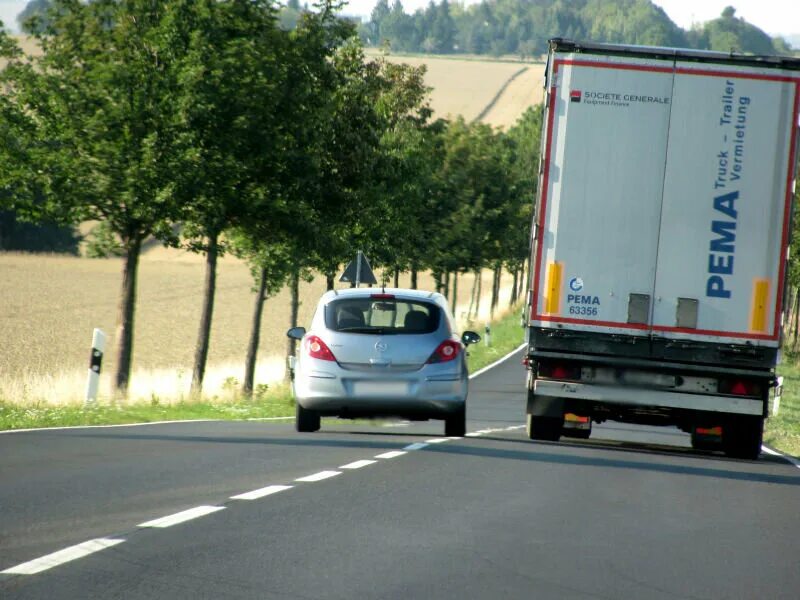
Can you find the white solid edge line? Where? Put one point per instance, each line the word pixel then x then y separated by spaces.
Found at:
pixel 498 361
pixel 260 493
pixel 791 459
pixel 319 476
pixel 181 517
pixel 417 446
pixel 358 464
pixel 109 426
pixel 392 454
pixel 62 556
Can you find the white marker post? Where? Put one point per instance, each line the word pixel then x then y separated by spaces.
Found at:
pixel 95 363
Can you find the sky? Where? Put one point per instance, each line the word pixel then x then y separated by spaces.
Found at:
pixel 776 17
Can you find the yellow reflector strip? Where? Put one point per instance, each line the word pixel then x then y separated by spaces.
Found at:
pixel 758 314
pixel 553 290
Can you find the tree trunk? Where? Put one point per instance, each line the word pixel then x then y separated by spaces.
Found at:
pixel 455 292
pixel 446 284
pixel 495 290
pixel 207 313
pixel 479 275
pixel 413 278
pixel 255 336
pixel 472 297
pixel 294 289
pixel 514 288
pixel 330 281
pixel 397 278
pixel 125 317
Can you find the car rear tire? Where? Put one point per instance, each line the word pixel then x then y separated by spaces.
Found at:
pixel 306 421
pixel 544 428
pixel 456 425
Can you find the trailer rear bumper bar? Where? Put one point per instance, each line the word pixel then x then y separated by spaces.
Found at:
pixel 630 396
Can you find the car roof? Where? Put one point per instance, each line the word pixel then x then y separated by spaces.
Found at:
pixel 406 294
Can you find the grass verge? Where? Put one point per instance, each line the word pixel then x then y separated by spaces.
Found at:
pixel 272 403
pixel 782 431
pixel 506 334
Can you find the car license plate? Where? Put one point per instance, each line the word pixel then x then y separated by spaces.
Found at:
pixel 371 388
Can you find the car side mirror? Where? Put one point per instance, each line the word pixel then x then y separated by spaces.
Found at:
pixel 470 337
pixel 296 333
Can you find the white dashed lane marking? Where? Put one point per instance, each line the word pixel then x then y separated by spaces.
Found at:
pixel 181 517
pixel 319 476
pixel 260 493
pixel 358 464
pixel 392 454
pixel 62 556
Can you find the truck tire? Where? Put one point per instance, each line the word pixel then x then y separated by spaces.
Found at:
pixel 742 437
pixel 544 428
pixel 455 425
pixel 306 421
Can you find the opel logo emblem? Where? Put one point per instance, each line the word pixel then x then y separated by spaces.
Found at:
pixel 381 346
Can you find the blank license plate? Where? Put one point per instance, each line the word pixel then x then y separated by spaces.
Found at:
pixel 389 388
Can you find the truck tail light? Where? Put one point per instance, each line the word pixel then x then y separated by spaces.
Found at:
pixel 316 348
pixel 740 387
pixel 558 370
pixel 446 351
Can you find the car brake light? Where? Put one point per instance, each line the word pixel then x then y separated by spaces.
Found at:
pixel 382 296
pixel 316 348
pixel 446 351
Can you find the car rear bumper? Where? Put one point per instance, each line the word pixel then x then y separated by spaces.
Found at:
pixel 358 394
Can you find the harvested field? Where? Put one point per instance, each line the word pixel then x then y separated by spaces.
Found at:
pixel 49 306
pixel 467 86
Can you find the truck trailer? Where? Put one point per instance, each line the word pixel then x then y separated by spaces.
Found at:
pixel 660 241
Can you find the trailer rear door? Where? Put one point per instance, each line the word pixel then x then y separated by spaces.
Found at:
pixel 727 198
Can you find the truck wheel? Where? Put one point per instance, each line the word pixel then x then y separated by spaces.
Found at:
pixel 544 428
pixel 306 420
pixel 742 437
pixel 455 425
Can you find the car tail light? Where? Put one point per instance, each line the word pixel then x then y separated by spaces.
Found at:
pixel 316 348
pixel 446 351
pixel 559 371
pixel 740 387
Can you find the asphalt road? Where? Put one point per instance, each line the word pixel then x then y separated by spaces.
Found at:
pixel 631 513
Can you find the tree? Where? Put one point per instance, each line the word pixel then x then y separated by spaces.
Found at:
pixel 93 129
pixel 231 91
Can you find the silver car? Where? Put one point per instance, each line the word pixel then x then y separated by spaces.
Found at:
pixel 381 352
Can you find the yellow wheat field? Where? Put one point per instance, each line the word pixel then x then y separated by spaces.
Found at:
pixel 466 87
pixel 49 306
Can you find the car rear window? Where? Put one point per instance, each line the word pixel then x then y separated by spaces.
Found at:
pixel 382 315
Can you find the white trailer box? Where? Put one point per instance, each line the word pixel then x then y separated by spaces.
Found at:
pixel 660 239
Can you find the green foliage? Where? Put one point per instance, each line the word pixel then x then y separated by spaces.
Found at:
pixel 103 243
pixel 522 27
pixel 35 237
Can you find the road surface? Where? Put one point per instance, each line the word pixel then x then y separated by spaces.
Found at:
pixel 392 510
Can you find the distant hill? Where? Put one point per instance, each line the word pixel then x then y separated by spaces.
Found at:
pixel 522 27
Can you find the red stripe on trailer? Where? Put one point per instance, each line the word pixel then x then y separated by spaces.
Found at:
pixel 545 184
